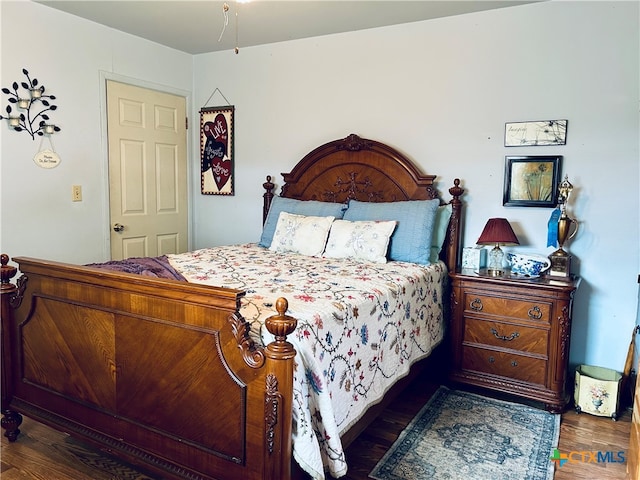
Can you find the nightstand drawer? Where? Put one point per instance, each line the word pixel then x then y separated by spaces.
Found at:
pixel 504 335
pixel 517 367
pixel 507 307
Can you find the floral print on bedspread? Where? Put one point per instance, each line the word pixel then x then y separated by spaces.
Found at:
pixel 360 327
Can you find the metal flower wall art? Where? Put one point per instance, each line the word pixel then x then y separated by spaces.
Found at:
pixel 31 107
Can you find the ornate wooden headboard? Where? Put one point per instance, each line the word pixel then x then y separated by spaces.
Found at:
pixel 369 171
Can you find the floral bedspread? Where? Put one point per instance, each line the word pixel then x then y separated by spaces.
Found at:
pixel 360 327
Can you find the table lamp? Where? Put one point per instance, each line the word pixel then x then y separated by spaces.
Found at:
pixel 497 232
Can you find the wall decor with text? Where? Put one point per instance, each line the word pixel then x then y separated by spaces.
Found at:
pixel 539 133
pixel 217 150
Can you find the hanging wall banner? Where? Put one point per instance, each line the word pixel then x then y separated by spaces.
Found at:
pixel 216 150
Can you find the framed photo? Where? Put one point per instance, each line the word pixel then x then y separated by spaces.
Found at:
pixel 216 150
pixel 531 181
pixel 533 134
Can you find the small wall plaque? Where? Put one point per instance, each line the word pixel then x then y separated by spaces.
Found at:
pixel 47 159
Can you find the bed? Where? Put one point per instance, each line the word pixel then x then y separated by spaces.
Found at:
pixel 194 380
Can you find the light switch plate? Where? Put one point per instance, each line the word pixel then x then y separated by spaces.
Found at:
pixel 76 193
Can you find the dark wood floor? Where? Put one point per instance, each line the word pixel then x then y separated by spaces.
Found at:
pixel 44 454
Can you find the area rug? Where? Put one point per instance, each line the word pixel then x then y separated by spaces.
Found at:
pixel 459 435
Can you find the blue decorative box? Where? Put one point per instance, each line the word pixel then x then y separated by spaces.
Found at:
pixel 474 258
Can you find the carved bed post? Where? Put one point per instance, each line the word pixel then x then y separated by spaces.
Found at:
pixel 10 420
pixel 454 232
pixel 279 394
pixel 267 198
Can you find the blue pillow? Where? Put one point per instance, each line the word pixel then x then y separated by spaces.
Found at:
pixel 411 241
pixel 309 208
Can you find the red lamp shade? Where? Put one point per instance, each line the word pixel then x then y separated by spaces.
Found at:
pixel 498 231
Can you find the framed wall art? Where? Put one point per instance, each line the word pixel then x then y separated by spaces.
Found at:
pixel 539 133
pixel 216 150
pixel 531 181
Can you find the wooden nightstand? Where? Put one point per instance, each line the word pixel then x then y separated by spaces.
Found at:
pixel 512 335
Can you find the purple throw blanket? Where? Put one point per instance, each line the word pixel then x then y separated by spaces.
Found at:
pixel 158 267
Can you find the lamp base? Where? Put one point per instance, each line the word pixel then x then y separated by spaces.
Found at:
pixel 495 272
pixel 496 255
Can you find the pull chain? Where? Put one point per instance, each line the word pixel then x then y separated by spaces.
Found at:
pixel 225 13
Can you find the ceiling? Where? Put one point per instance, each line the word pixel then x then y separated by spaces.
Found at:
pixel 199 26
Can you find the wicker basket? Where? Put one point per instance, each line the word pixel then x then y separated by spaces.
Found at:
pixel 597 391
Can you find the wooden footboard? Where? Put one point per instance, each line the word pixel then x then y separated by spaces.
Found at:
pixel 158 372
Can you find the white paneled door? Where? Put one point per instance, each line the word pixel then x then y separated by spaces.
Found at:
pixel 147 171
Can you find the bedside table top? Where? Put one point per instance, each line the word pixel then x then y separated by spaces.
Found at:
pixel 543 281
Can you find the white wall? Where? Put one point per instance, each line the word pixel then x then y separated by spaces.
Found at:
pixel 71 57
pixel 440 91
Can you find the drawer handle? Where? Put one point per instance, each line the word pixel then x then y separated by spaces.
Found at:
pixel 491 359
pixel 535 312
pixel 514 363
pixel 476 304
pixel 504 337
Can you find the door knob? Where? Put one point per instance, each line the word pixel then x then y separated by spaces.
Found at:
pixel 117 227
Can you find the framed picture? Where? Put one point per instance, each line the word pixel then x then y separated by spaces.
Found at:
pixel 539 133
pixel 216 150
pixel 531 181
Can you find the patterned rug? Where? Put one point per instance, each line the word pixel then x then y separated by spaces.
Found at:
pixel 459 435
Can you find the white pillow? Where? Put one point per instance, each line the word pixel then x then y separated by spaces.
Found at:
pixel 301 234
pixel 360 240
